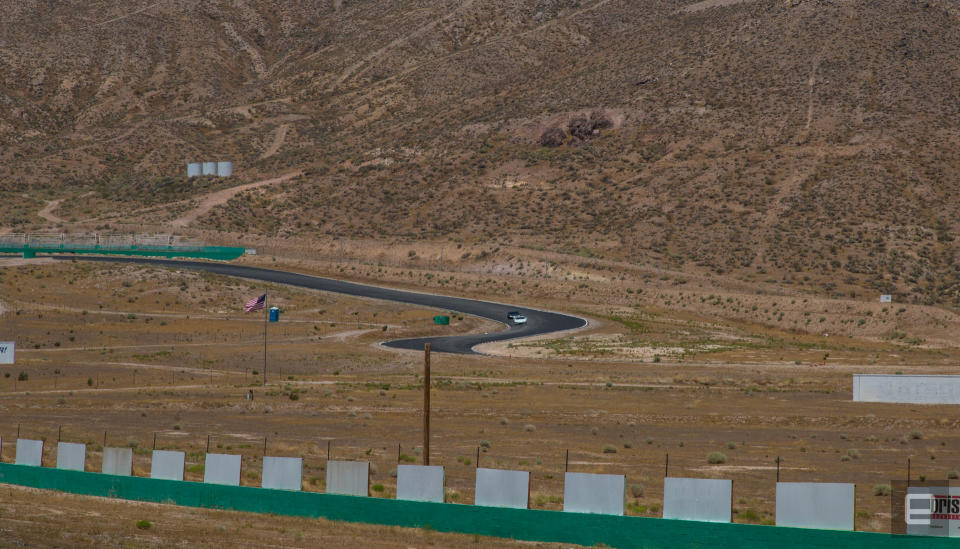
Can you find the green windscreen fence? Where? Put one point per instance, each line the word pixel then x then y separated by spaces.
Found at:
pixel 532 525
pixel 223 253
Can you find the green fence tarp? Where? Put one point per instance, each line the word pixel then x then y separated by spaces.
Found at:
pixel 532 525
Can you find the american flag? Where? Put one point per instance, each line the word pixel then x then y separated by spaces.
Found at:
pixel 255 304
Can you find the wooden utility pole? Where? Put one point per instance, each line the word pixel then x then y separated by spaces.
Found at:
pixel 426 404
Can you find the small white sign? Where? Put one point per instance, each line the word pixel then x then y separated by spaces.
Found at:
pixel 6 352
pixel 886 298
pixel 250 251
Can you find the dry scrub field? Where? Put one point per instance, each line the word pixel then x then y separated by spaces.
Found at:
pixel 129 353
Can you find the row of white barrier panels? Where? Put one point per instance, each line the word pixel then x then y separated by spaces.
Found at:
pixel 798 504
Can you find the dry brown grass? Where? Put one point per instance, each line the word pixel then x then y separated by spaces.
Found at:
pixel 365 400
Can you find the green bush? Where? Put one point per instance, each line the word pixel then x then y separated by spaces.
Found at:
pixel 144 524
pixel 716 458
pixel 609 449
pixel 881 489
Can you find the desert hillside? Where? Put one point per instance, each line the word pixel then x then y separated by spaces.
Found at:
pixel 807 141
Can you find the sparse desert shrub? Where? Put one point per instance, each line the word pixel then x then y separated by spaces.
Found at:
pixel 636 490
pixel 504 421
pixel 952 475
pixel 853 453
pixel 529 428
pixel 144 524
pixel 916 435
pixel 609 449
pixel 881 489
pixel 716 458
pixel 731 445
pixel 23 376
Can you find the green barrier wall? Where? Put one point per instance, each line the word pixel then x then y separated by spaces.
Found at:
pixel 223 253
pixel 547 526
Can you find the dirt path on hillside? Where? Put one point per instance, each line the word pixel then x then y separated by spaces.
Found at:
pixel 353 69
pixel 707 4
pixel 47 211
pixel 278 138
pixel 219 198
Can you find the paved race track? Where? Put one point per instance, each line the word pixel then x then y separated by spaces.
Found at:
pixel 538 322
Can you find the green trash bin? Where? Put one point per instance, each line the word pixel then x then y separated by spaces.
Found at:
pixel 441 319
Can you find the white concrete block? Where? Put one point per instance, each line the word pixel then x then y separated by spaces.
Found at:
pixel 703 499
pixel 349 478
pixel 167 465
pixel 222 469
pixel 500 488
pixel 71 456
pixel 282 473
pixel 909 389
pixel 592 493
pixel 823 505
pixel 420 483
pixel 118 461
pixel 29 452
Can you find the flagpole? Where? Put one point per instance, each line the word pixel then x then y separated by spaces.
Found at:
pixel 266 313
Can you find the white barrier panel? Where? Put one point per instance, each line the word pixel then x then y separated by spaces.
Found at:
pixel 348 478
pixel 282 473
pixel 222 469
pixel 118 461
pixel 932 511
pixel 823 505
pixel 71 456
pixel 29 452
pixel 703 499
pixel 499 488
pixel 590 493
pixel 167 465
pixel 420 483
pixel 7 349
pixel 906 389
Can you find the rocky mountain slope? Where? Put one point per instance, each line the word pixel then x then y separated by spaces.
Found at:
pixel 813 141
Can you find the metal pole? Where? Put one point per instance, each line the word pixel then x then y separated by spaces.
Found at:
pixel 154 440
pixel 666 466
pixel 18 435
pixel 328 450
pixel 566 462
pixel 104 439
pixel 59 432
pixel 398 453
pixel 266 312
pixel 264 446
pixel 426 404
pixel 778 468
pixel 208 444
pixel 478 457
pixel 908 471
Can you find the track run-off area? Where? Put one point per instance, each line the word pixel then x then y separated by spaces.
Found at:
pixel 538 322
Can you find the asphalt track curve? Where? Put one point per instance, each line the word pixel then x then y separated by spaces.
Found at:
pixel 538 322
